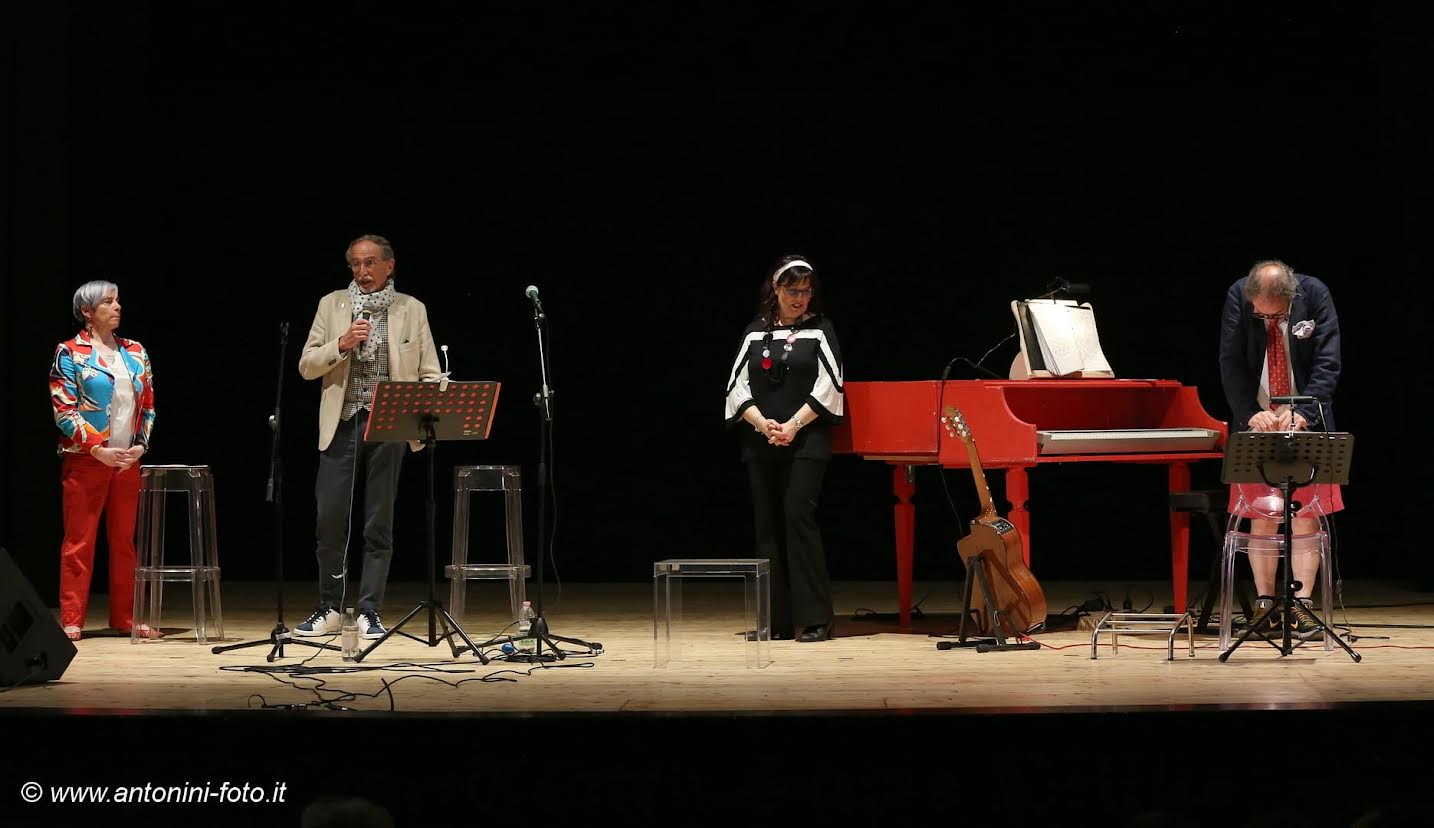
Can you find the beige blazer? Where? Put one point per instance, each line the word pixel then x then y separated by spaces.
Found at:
pixel 411 355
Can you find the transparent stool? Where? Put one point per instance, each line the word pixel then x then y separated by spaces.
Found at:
pixel 509 481
pixel 756 593
pixel 1251 545
pixel 202 571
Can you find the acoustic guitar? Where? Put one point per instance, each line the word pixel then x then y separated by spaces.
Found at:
pixel 1017 595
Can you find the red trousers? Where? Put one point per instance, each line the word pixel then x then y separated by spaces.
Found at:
pixel 90 488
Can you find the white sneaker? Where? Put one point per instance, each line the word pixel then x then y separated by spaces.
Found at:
pixel 370 625
pixel 325 621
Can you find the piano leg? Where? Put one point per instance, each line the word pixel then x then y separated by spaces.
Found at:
pixel 1179 537
pixel 1017 492
pixel 903 485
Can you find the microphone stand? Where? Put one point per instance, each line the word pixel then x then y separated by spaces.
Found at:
pixel 543 400
pixel 274 493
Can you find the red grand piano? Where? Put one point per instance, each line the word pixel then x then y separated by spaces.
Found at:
pixel 1021 424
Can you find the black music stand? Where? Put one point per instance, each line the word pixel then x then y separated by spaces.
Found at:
pixel 429 412
pixel 279 637
pixel 1287 460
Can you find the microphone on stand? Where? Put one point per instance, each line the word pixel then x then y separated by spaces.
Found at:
pixel 1062 285
pixel 532 293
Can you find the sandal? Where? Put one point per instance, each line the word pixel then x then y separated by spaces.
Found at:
pixel 146 631
pixel 72 633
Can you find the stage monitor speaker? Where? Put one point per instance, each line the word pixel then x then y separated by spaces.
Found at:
pixel 33 647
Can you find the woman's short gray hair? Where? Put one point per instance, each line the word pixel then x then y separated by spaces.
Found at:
pixel 1281 287
pixel 91 294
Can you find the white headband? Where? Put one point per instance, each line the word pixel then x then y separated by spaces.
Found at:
pixel 788 265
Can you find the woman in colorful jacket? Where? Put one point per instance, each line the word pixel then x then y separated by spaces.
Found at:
pixel 102 393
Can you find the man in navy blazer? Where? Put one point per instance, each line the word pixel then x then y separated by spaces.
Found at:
pixel 1312 330
pixel 1300 309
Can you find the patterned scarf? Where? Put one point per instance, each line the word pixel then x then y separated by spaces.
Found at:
pixel 375 303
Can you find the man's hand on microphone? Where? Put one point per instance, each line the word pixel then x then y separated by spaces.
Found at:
pixel 354 336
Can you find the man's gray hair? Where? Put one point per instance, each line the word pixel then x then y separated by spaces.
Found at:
pixel 1280 287
pixel 384 247
pixel 91 294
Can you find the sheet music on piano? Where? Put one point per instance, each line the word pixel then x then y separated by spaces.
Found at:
pixel 1058 339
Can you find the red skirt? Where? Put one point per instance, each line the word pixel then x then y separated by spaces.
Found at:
pixel 1256 500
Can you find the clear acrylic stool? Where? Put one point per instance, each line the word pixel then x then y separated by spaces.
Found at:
pixel 756 592
pixel 202 571
pixel 1271 546
pixel 509 481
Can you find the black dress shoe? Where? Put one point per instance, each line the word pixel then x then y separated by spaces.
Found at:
pixel 819 632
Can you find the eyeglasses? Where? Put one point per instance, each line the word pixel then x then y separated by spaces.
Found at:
pixel 1266 317
pixel 370 262
pixel 797 293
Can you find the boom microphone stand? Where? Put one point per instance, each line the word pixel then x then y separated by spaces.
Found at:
pixel 274 493
pixel 544 401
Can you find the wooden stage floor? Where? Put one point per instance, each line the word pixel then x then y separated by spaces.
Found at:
pixel 874 725
pixel 871 666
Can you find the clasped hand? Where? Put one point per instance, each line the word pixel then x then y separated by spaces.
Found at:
pixel 778 434
pixel 1277 421
pixel 120 459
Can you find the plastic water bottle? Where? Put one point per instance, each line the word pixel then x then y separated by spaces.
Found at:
pixel 349 636
pixel 525 624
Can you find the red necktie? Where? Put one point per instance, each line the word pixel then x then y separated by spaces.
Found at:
pixel 1278 369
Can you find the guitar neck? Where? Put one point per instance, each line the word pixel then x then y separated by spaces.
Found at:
pixel 988 506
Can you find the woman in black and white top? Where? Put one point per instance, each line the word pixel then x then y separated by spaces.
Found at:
pixel 786 383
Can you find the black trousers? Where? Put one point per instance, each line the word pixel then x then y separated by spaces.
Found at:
pixel 784 505
pixel 340 465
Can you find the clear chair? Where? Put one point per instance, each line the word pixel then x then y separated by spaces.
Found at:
pixel 202 570
pixel 509 481
pixel 756 575
pixel 1238 543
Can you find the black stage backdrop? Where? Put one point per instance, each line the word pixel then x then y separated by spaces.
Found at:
pixel 643 166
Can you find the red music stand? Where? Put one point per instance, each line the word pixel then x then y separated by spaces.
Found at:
pixel 428 412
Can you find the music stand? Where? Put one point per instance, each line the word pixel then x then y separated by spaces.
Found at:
pixel 1277 458
pixel 429 412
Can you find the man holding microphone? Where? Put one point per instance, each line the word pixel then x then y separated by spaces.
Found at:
pixel 363 335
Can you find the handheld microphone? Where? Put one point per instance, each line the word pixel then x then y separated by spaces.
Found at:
pixel 532 293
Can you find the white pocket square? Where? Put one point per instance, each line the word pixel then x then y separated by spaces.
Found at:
pixel 1303 330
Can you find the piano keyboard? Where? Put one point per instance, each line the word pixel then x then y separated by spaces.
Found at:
pixel 1128 440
